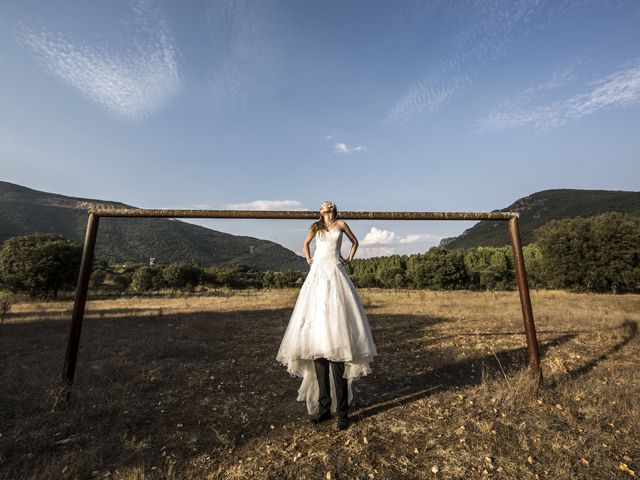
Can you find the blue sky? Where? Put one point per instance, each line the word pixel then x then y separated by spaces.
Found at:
pixel 403 105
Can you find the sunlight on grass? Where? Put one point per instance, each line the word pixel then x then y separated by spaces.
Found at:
pixel 188 387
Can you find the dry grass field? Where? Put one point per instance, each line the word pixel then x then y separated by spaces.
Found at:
pixel 188 387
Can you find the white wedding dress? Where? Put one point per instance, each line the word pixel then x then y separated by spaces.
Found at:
pixel 328 321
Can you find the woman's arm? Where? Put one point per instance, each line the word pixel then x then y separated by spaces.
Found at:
pixel 307 241
pixel 354 241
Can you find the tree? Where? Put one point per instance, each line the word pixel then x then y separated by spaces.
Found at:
pixel 490 268
pixel 98 277
pixel 417 270
pixel 365 280
pixel 533 265
pixel 600 253
pixel 121 280
pixel 39 264
pixel 5 305
pixel 617 236
pixel 438 269
pixel 144 279
pixel 269 279
pixel 391 277
pixel 181 275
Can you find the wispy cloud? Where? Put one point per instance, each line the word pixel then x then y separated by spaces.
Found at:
pixel 558 79
pixel 619 89
pixel 266 205
pixel 342 147
pixel 482 33
pixel 241 57
pixel 420 237
pixel 132 82
pixel 346 149
pixel 332 135
pixel 429 94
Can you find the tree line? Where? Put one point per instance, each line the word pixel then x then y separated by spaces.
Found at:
pixel 596 254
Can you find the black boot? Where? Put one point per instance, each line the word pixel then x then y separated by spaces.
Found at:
pixel 320 417
pixel 342 422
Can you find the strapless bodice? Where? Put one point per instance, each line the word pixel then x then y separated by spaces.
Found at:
pixel 328 246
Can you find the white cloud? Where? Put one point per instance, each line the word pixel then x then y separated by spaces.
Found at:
pixel 266 205
pixel 619 89
pixel 385 242
pixel 341 147
pixel 346 149
pixel 376 235
pixel 482 33
pixel 421 237
pixel 411 244
pixel 131 83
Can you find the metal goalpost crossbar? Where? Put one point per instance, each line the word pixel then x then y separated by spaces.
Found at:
pixel 94 215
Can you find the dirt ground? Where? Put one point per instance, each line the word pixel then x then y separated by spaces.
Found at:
pixel 188 387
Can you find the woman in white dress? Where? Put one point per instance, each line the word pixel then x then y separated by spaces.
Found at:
pixel 328 325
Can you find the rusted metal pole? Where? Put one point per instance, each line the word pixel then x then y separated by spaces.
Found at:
pixel 297 214
pixel 525 300
pixel 73 342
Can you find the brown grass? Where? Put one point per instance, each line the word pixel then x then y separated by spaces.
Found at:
pixel 189 388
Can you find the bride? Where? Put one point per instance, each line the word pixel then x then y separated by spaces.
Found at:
pixel 328 328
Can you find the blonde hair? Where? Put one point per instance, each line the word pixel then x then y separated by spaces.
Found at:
pixel 319 225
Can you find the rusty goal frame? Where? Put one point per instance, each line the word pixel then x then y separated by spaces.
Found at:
pixel 94 215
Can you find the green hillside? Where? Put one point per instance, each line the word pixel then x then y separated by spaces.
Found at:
pixel 24 210
pixel 541 207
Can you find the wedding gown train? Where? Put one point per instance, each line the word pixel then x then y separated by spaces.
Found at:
pixel 328 320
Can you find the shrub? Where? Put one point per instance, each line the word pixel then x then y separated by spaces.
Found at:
pixel 39 264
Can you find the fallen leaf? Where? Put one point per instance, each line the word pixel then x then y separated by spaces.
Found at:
pixel 623 467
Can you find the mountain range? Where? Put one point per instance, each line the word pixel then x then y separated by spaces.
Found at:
pixel 539 208
pixel 24 210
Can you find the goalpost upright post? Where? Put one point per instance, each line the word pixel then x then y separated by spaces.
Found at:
pixel 73 342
